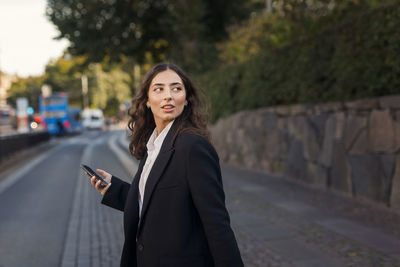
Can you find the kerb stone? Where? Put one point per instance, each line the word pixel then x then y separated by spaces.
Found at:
pixel 381 133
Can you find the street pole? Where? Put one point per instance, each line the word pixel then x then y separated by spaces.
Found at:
pixel 268 6
pixel 84 81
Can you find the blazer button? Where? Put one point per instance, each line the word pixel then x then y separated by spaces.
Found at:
pixel 140 247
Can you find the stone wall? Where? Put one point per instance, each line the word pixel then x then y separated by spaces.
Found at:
pixel 353 147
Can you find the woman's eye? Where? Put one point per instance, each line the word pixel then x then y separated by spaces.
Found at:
pixel 158 89
pixel 177 89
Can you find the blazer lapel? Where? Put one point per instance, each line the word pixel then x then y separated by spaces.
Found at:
pixel 135 186
pixel 156 172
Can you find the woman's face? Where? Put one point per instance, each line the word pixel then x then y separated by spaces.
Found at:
pixel 166 98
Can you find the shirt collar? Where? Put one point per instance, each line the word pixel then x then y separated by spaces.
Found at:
pixel 156 141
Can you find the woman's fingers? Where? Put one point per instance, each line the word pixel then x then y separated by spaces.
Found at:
pixel 104 190
pixel 97 184
pixel 105 174
pixel 93 180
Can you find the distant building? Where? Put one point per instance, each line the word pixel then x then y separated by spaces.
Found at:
pixel 5 84
pixel 5 110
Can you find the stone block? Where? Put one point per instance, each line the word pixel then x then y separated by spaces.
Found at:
pixel 362 104
pixel 388 162
pixel 296 168
pixel 340 120
pixel 265 166
pixel 317 175
pixel 275 145
pixel 278 167
pixel 397 115
pixel 327 144
pixel 282 110
pixel 302 130
pixel 368 176
pixel 297 127
pixel 395 192
pixel 270 121
pixel 396 125
pixel 282 124
pixel 328 107
pixel 312 149
pixel 318 124
pixel 381 133
pixel 353 127
pixel 340 176
pixel 392 101
pixel 299 109
pixel 360 145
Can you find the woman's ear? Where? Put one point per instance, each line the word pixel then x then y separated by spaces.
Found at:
pixel 186 102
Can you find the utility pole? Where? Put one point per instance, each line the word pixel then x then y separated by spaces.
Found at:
pixel 84 81
pixel 268 6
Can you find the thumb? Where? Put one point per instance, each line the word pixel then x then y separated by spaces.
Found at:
pixel 101 171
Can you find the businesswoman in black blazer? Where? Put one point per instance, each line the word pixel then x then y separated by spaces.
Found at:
pixel 174 210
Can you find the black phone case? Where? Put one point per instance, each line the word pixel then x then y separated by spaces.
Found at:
pixel 92 172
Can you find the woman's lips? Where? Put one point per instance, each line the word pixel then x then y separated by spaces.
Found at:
pixel 168 108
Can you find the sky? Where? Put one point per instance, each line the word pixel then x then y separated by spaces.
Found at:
pixel 27 38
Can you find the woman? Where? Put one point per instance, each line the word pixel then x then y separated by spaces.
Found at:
pixel 174 210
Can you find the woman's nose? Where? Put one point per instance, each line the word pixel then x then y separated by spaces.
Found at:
pixel 168 94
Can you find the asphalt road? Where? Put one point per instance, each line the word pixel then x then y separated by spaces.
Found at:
pixel 51 216
pixel 36 205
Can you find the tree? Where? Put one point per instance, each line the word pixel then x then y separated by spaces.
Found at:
pixel 26 87
pixel 64 75
pixel 161 30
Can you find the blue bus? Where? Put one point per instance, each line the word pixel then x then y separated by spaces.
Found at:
pixel 75 120
pixel 54 111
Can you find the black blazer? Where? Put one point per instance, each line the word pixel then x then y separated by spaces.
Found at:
pixel 184 222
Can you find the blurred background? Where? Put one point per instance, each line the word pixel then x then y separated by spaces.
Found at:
pixel 303 96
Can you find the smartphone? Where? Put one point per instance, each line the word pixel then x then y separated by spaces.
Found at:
pixel 93 173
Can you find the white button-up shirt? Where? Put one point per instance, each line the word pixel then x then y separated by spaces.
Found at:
pixel 153 148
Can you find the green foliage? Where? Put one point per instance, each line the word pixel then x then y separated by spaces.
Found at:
pixel 112 107
pixel 108 84
pixel 30 88
pixel 64 75
pixel 180 31
pixel 109 88
pixel 355 55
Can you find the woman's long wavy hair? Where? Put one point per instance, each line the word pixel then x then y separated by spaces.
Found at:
pixel 193 118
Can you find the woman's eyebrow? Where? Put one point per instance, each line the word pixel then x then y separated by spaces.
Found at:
pixel 171 84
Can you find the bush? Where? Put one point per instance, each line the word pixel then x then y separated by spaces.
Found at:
pixel 356 58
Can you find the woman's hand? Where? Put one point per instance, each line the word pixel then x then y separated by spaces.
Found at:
pixel 97 185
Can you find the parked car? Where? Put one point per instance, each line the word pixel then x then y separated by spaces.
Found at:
pixel 93 119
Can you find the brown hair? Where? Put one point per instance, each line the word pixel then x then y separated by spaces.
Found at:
pixel 192 119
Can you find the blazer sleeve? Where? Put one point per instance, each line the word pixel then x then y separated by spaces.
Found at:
pixel 116 195
pixel 205 183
